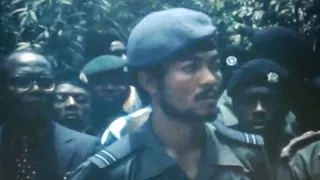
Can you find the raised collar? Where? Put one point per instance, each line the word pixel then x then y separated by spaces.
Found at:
pixel 155 160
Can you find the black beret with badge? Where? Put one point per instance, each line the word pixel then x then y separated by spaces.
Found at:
pixel 232 57
pixel 72 76
pixel 258 72
pixel 289 48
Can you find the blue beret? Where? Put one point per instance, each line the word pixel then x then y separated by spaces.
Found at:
pixel 103 64
pixel 161 34
pixel 258 72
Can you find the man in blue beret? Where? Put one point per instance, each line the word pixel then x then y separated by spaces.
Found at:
pixel 112 94
pixel 174 59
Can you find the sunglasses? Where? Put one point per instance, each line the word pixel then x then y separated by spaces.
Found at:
pixel 24 83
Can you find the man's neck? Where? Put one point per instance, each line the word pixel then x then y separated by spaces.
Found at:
pixel 184 141
pixel 176 134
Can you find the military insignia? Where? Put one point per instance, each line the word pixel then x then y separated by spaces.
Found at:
pixel 273 77
pixel 83 78
pixel 125 69
pixel 231 61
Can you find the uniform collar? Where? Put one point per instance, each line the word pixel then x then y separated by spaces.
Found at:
pixel 155 160
pixel 131 104
pixel 222 154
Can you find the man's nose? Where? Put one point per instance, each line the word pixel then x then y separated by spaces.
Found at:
pixel 208 77
pixel 259 111
pixel 71 101
pixel 109 86
pixel 259 107
pixel 35 87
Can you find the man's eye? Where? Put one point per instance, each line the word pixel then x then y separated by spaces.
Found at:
pixel 21 82
pixel 82 99
pixel 191 67
pixel 60 98
pixel 46 82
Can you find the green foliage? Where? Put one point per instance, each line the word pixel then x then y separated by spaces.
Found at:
pixel 56 28
pixel 60 29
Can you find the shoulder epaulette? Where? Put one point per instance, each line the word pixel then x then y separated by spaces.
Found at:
pixel 237 135
pixel 117 151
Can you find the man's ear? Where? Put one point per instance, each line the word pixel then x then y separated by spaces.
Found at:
pixel 147 82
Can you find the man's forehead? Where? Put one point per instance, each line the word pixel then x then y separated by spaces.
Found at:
pixel 70 88
pixel 25 61
pixel 204 55
pixel 260 89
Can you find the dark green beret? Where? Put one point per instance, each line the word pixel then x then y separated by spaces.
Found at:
pixel 103 64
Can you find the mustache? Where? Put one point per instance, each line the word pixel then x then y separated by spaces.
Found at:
pixel 207 93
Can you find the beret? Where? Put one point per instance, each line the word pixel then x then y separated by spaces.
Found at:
pixel 258 72
pixel 289 48
pixel 71 76
pixel 160 35
pixel 102 64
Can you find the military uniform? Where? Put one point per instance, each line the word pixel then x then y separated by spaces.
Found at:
pixel 157 39
pixel 131 122
pixel 139 155
pixel 303 165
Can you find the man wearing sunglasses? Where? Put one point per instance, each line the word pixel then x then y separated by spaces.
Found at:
pixel 32 146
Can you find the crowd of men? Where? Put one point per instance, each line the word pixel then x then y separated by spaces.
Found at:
pixel 170 104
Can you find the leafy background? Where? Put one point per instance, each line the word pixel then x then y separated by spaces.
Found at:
pixel 71 32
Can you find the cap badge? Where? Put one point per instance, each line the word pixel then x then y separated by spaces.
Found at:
pixel 273 77
pixel 125 69
pixel 83 78
pixel 231 61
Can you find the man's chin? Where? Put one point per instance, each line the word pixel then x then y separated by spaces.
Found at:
pixel 209 115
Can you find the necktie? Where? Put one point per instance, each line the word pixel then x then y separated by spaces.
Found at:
pixel 25 166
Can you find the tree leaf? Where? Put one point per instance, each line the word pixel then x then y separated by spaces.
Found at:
pixel 46 34
pixel 33 16
pixel 36 45
pixel 23 22
pixel 37 3
pixel 15 1
pixel 18 10
pixel 106 3
pixel 66 2
pixel 23 45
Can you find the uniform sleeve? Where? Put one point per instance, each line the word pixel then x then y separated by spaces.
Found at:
pixel 284 171
pixel 304 165
pixel 292 170
pixel 86 171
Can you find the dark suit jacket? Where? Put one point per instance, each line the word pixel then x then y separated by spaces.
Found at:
pixel 60 151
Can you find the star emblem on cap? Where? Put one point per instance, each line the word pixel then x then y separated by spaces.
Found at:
pixel 273 77
pixel 231 61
